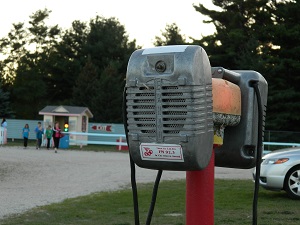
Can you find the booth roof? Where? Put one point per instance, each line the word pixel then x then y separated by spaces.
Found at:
pixel 66 110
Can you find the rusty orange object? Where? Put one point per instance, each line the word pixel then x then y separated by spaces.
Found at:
pixel 226 97
pixel 226 107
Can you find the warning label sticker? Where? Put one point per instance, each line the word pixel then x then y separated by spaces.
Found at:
pixel 161 152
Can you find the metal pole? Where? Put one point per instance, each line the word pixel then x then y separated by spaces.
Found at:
pixel 200 195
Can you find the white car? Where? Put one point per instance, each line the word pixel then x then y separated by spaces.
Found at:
pixel 280 170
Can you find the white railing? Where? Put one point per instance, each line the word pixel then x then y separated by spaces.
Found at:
pixel 119 142
pixel 282 144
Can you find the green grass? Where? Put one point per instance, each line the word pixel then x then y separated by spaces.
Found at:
pixel 233 206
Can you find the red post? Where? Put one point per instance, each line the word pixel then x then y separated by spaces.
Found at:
pixel 200 195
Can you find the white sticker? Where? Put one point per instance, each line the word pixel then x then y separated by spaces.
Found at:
pixel 165 49
pixel 161 152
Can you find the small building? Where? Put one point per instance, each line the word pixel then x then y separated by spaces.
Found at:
pixel 76 117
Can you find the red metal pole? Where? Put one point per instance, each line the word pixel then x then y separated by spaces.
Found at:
pixel 200 195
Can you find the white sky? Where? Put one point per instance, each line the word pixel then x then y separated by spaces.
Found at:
pixel 143 20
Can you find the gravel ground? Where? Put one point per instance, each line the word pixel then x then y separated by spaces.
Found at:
pixel 30 177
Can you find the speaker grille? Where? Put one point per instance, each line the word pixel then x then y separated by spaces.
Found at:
pixel 168 109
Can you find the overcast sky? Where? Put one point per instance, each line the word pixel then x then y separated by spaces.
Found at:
pixel 143 20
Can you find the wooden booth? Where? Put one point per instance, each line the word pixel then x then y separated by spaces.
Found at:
pixel 76 117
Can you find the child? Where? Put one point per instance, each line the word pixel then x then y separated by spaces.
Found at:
pixel 39 130
pixel 25 132
pixel 56 135
pixel 49 133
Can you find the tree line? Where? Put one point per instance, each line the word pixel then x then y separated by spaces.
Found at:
pixel 86 64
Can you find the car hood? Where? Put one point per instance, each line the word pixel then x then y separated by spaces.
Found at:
pixel 288 152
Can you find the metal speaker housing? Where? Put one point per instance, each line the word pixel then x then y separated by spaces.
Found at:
pixel 169 108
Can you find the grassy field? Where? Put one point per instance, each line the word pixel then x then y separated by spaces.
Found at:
pixel 233 206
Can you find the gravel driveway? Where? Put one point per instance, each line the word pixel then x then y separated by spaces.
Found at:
pixel 30 178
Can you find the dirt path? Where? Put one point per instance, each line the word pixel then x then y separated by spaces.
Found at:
pixel 30 178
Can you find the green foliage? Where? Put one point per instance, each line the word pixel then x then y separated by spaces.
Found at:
pixel 171 36
pixel 110 96
pixel 250 35
pixel 65 64
pixel 86 86
pixel 46 65
pixel 103 96
pixel 13 48
pixel 26 65
pixel 5 109
pixel 284 69
pixel 261 36
pixel 29 86
pixel 238 24
pixel 100 84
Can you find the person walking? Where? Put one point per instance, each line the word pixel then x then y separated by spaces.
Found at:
pixel 25 133
pixel 56 135
pixel 39 130
pixel 49 134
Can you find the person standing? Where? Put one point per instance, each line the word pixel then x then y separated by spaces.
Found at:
pixel 25 133
pixel 39 130
pixel 49 133
pixel 4 125
pixel 56 135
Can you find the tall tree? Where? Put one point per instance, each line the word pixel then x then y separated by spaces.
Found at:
pixel 5 108
pixel 108 49
pixel 284 67
pixel 86 86
pixel 237 24
pixel 12 48
pixel 108 41
pixel 33 67
pixel 171 36
pixel 47 63
pixel 29 90
pixel 108 102
pixel 257 35
pixel 65 63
